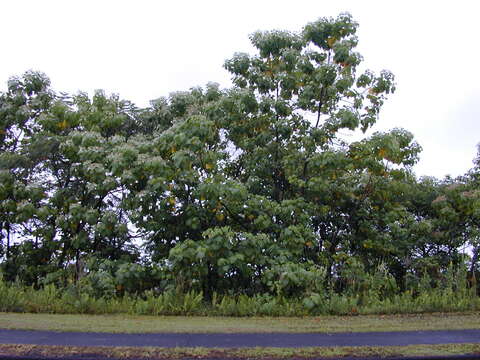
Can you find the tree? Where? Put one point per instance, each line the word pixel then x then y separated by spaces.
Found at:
pixel 244 190
pixel 289 181
pixel 20 191
pixel 57 195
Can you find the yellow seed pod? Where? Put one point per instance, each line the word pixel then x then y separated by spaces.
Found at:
pixel 331 40
pixel 62 125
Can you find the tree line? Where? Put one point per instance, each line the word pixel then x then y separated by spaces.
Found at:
pixel 251 189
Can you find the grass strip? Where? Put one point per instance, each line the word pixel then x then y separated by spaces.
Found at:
pixel 195 324
pixel 240 353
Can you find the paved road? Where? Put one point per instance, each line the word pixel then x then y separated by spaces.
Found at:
pixel 239 340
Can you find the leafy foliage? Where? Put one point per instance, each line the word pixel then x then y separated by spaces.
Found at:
pixel 230 193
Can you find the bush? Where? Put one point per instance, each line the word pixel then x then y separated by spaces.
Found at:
pixel 373 293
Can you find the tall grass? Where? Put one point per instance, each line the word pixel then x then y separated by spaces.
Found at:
pixel 451 294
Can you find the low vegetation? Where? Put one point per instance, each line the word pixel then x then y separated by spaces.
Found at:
pixel 243 353
pixel 451 294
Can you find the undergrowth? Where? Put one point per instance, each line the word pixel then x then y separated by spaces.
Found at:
pixel 453 296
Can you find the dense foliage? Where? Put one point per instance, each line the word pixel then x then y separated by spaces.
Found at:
pixel 249 190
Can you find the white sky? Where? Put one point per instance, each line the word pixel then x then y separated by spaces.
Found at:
pixel 146 49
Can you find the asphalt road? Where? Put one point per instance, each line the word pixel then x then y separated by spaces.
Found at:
pixel 240 340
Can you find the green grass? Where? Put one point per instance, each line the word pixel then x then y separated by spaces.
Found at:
pixel 196 324
pixel 243 353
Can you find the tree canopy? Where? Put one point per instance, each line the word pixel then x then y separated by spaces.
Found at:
pixel 241 190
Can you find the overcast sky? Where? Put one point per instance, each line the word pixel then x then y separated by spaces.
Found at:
pixel 146 49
